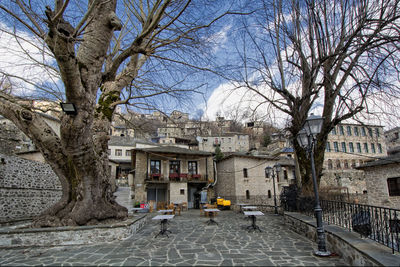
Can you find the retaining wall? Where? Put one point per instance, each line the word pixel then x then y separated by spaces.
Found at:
pixel 12 237
pixel 356 251
pixel 26 188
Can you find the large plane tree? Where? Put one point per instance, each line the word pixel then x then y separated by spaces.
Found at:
pixel 337 58
pixel 107 53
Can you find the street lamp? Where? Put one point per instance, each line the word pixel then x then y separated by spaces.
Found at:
pixel 307 138
pixel 271 171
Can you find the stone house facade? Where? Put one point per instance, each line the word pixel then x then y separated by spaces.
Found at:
pixel 241 178
pixel 171 174
pixel 392 139
pixel 349 146
pixel 383 181
pixel 227 142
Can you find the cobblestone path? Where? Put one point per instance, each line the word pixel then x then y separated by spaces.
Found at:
pixel 192 242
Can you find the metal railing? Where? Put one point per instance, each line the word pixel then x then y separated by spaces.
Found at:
pixel 377 223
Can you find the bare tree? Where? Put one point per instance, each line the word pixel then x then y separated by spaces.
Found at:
pixel 103 60
pixel 334 57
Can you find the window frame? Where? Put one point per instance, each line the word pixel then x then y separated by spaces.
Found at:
pixel 155 161
pixel 348 128
pixel 335 146
pixel 393 185
pixel 351 147
pixel 344 148
pixel 366 150
pixel 118 152
pixel 328 147
pixel 191 164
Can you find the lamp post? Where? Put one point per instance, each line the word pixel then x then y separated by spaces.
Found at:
pixel 271 171
pixel 307 138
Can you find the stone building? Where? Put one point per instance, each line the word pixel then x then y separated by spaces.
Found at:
pixel 349 146
pixel 383 181
pixel 392 139
pixel 171 174
pixel 241 178
pixel 228 142
pixel 119 154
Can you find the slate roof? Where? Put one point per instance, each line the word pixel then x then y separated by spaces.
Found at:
pixel 282 160
pixel 394 159
pixel 126 141
pixel 174 150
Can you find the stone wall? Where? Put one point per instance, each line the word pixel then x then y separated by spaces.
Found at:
pixel 378 193
pixel 26 188
pixel 71 235
pixel 348 245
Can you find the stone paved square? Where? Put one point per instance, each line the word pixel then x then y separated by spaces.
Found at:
pixel 192 242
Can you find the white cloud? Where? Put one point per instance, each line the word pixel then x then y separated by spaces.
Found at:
pixel 25 60
pixel 231 102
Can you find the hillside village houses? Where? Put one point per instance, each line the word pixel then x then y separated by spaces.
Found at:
pixel 185 147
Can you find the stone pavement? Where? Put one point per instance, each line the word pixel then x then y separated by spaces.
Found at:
pixel 192 242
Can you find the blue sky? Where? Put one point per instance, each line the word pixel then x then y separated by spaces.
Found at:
pixel 215 93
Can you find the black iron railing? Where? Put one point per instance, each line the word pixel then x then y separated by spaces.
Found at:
pixel 377 223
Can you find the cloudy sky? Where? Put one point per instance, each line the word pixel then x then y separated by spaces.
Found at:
pixel 221 99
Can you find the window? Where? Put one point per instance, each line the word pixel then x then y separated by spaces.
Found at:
pixel 377 132
pixel 269 194
pixel 330 165
pixel 353 163
pixel 341 130
pixel 109 152
pixel 174 166
pixel 245 173
pixel 370 132
pixel 267 175
pixel 338 164
pixel 366 148
pixel 358 147
pixel 182 191
pixel 346 164
pixel 380 148
pixel 285 175
pixel 336 146
pixel 348 130
pixel 333 130
pixel 363 131
pixel 351 147
pixel 373 148
pixel 355 130
pixel 247 194
pixel 344 147
pixel 127 153
pixel 118 152
pixel 328 147
pixel 155 166
pixel 192 167
pixel 394 186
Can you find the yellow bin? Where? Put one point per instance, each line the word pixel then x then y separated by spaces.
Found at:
pixel 226 203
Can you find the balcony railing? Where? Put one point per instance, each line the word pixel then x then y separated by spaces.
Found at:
pixel 177 177
pixel 377 223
